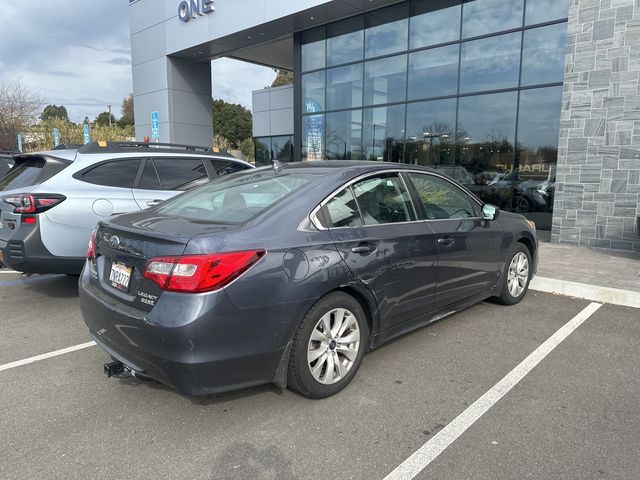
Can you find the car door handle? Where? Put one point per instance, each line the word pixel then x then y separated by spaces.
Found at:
pixel 153 203
pixel 363 249
pixel 446 241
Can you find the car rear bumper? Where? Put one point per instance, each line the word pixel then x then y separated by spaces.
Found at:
pixel 25 252
pixel 195 354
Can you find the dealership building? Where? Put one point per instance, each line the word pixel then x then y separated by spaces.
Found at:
pixel 534 105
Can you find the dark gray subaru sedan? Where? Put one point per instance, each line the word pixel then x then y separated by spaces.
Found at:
pixel 288 275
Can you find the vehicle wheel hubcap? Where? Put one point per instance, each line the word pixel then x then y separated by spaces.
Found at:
pixel 518 274
pixel 334 345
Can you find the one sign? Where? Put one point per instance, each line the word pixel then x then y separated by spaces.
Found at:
pixel 188 9
pixel 20 142
pixel 56 137
pixel 155 126
pixel 85 130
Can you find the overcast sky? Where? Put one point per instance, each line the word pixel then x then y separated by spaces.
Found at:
pixel 77 53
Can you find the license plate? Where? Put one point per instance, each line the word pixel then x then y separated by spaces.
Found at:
pixel 120 276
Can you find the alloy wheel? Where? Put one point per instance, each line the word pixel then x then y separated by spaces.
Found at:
pixel 518 274
pixel 333 346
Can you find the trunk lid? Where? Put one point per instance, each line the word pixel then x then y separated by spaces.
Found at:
pixel 126 243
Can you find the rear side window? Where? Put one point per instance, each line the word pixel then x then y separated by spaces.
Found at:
pixel 150 179
pixel 227 167
pixel 30 172
pixel 342 210
pixel 118 173
pixel 180 173
pixel 235 199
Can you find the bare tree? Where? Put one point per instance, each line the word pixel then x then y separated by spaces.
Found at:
pixel 19 108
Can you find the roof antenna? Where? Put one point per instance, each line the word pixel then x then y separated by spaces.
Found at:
pixel 277 166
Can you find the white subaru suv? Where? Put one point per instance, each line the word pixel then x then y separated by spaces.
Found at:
pixel 51 201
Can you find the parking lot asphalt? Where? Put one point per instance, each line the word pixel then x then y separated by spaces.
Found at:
pixel 575 415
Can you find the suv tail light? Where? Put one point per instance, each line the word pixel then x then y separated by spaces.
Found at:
pixel 200 273
pixel 91 251
pixel 33 203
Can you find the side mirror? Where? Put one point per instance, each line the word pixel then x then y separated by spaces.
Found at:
pixel 490 212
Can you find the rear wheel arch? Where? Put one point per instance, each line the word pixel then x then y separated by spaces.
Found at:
pixel 364 303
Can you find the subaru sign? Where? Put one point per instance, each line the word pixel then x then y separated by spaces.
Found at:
pixel 155 126
pixel 85 132
pixel 188 9
pixel 56 137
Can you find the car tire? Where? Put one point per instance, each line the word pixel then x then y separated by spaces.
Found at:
pixel 328 346
pixel 516 276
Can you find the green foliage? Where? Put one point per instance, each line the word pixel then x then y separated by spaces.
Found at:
pixel 231 121
pixel 105 119
pixel 40 137
pixel 127 112
pixel 248 149
pixel 54 112
pixel 284 77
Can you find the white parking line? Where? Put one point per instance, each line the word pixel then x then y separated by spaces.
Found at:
pixel 44 356
pixel 445 437
pixel 8 271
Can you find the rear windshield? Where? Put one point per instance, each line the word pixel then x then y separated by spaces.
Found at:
pixel 32 171
pixel 236 199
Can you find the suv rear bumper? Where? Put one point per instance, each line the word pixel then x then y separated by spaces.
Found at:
pixel 26 253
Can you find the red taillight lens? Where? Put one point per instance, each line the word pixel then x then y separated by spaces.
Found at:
pixel 91 251
pixel 29 220
pixel 33 204
pixel 200 273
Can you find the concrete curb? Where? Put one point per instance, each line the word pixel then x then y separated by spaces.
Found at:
pixel 595 293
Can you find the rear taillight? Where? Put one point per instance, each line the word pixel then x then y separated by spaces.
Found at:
pixel 91 251
pixel 200 273
pixel 33 203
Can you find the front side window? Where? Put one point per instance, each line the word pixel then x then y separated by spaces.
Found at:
pixel 119 173
pixel 383 199
pixel 441 199
pixel 227 167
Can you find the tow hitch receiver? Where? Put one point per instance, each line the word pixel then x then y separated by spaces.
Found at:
pixel 112 369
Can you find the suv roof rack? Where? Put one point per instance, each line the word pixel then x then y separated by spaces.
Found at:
pixel 118 147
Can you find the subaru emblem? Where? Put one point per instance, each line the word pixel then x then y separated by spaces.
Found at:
pixel 114 241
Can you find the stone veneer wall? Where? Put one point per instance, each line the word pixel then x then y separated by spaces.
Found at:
pixel 598 175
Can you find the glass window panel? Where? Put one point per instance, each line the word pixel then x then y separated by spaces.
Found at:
pixel 434 73
pixel 263 151
pixel 431 27
pixel 385 80
pixel 539 11
pixel 342 210
pixel 441 199
pixel 344 87
pixel 312 137
pixel 149 179
pixel 490 63
pixel 282 148
pixel 313 92
pixel 345 41
pixel 383 133
pixel 430 132
pixel 120 173
pixel 313 49
pixel 180 174
pixel 543 55
pixel 387 31
pixel 383 199
pixel 481 17
pixel 344 135
pixel 538 131
pixel 485 144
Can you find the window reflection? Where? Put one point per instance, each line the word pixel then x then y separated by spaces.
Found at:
pixel 385 80
pixel 344 135
pixel 485 144
pixel 543 56
pixel 539 11
pixel 481 17
pixel 344 87
pixel 262 151
pixel 387 31
pixel 345 41
pixel 383 137
pixel 282 148
pixel 313 49
pixel 491 63
pixel 430 132
pixel 312 137
pixel 434 72
pixel 434 23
